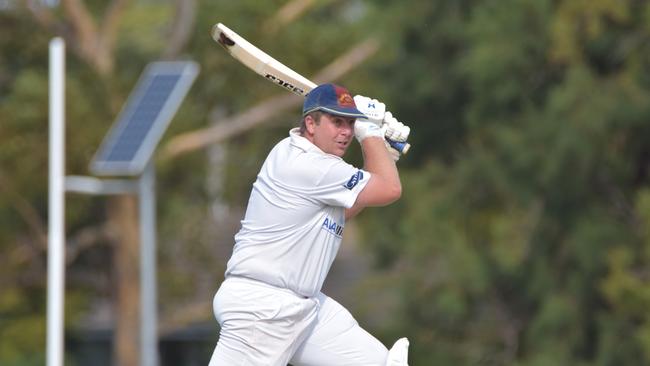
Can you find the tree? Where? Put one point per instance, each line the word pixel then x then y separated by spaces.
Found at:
pixel 94 43
pixel 512 239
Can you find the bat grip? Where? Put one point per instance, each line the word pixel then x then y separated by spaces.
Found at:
pixel 402 147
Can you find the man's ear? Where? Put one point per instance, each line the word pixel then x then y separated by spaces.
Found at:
pixel 310 124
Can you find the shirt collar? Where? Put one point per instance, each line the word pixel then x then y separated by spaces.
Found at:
pixel 302 143
pixel 305 145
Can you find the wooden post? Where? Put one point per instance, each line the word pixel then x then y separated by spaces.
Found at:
pixel 123 216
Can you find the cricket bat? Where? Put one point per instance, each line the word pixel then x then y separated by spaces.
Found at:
pixel 272 69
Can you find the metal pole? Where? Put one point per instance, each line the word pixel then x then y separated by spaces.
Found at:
pixel 148 296
pixel 95 186
pixel 56 208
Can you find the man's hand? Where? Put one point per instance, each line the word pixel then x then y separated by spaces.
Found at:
pixel 371 126
pixel 396 131
pixel 364 128
pixel 376 112
pixel 372 108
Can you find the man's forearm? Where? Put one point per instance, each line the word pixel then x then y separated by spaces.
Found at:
pixel 384 186
pixel 377 161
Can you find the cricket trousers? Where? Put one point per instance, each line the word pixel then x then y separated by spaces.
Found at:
pixel 263 325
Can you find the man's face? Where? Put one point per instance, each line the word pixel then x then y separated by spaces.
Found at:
pixel 333 134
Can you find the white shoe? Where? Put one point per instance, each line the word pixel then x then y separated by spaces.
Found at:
pixel 398 355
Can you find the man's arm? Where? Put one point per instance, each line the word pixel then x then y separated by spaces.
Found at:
pixel 379 158
pixel 384 186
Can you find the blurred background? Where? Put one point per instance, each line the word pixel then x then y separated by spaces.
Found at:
pixel 522 234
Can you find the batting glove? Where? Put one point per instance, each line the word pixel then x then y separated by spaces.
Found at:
pixel 396 131
pixel 364 128
pixel 372 108
pixel 371 126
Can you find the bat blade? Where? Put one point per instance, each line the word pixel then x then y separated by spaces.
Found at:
pixel 260 62
pixel 272 69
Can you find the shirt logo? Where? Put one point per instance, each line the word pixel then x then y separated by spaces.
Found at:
pixel 331 226
pixel 354 180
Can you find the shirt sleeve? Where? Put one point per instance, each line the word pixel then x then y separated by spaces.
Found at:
pixel 340 184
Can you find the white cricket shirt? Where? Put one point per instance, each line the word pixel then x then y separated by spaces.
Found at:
pixel 295 217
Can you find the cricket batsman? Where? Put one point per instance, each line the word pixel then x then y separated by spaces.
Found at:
pixel 270 306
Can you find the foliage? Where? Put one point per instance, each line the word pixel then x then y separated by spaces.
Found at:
pixel 525 248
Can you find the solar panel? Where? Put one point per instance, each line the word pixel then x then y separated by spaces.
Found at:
pixel 130 143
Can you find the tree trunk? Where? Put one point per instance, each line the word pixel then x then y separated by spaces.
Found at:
pixel 123 215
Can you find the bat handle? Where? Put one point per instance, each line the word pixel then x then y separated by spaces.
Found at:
pixel 402 147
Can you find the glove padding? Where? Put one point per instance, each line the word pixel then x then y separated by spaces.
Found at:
pixel 396 131
pixel 371 126
pixel 372 108
pixel 364 128
pixel 389 126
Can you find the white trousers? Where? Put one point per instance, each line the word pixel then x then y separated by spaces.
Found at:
pixel 264 325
